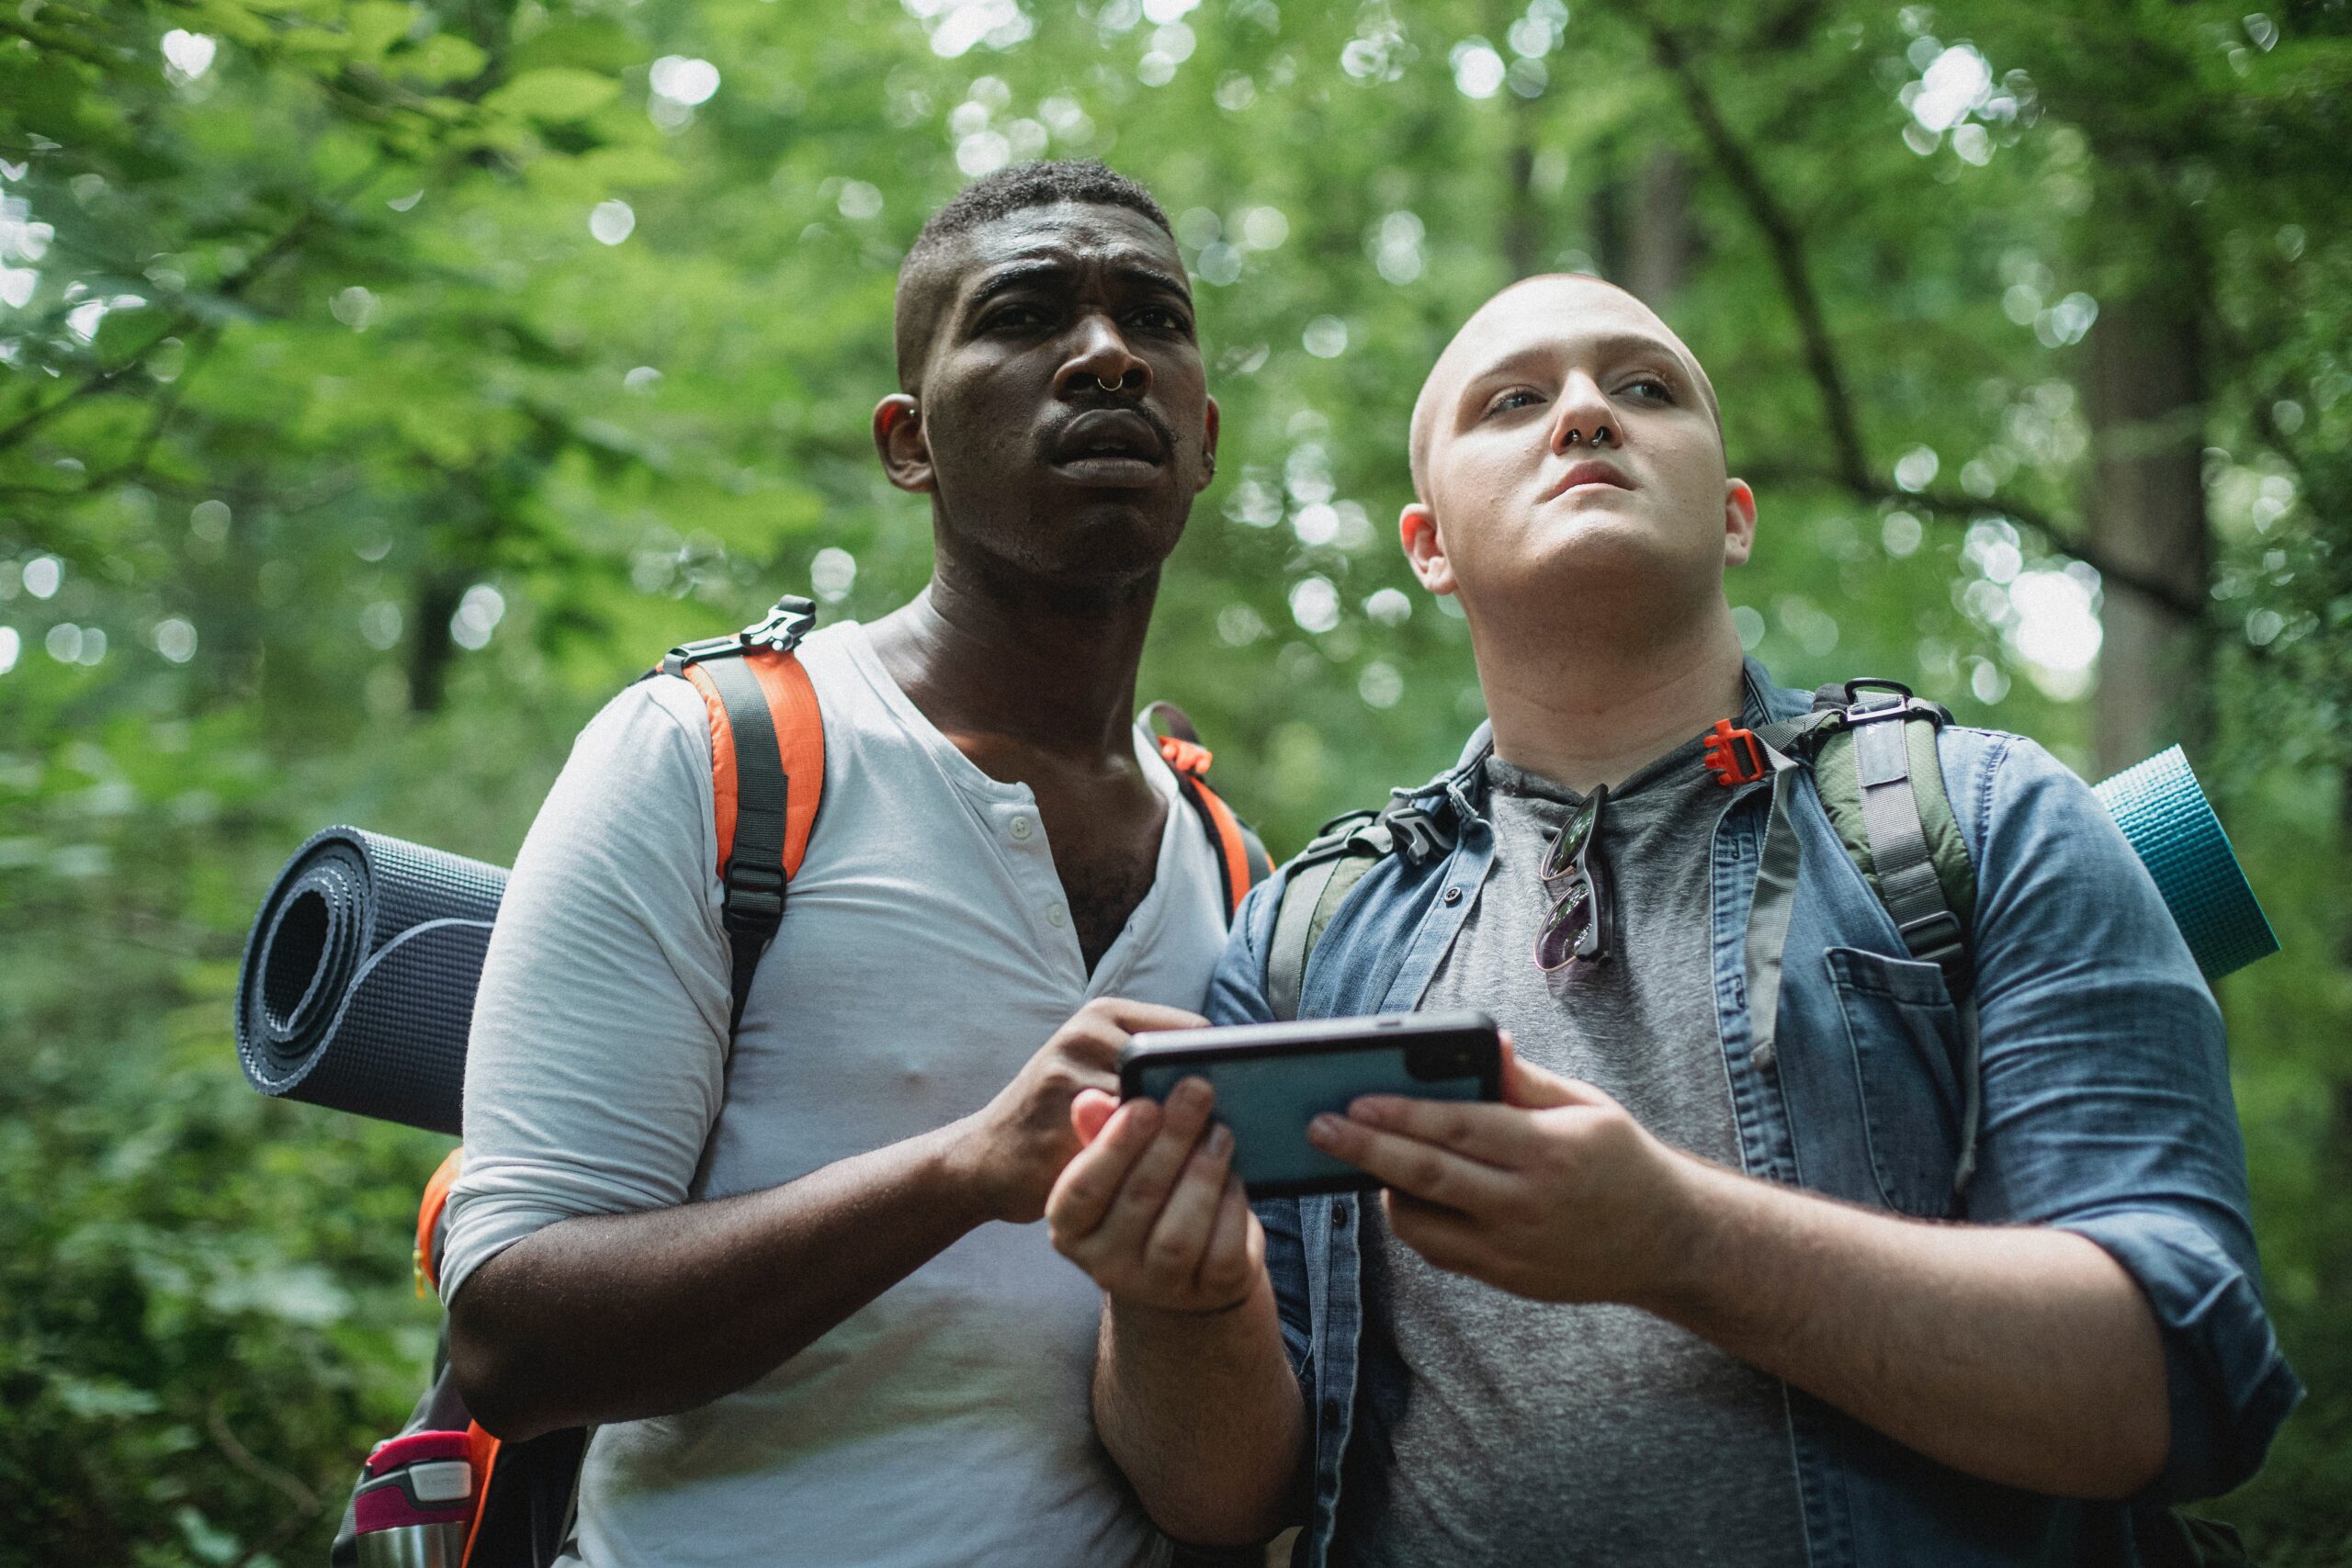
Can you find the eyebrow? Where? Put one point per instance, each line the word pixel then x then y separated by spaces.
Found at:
pixel 1614 347
pixel 1035 275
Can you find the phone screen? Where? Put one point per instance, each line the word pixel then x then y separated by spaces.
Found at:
pixel 1268 1095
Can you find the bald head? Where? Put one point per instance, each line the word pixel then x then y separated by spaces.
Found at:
pixel 1519 323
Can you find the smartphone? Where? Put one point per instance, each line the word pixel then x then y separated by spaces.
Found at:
pixel 1272 1079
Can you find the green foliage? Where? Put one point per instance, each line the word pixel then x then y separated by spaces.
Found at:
pixel 382 384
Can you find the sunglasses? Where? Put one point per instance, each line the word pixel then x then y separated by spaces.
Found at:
pixel 1580 921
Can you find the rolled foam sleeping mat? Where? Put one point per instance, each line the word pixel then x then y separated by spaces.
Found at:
pixel 357 984
pixel 2161 809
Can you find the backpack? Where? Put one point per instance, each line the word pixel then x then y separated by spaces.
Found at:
pixel 1871 746
pixel 767 780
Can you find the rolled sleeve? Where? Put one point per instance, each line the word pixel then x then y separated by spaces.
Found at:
pixel 2107 1109
pixel 595 1066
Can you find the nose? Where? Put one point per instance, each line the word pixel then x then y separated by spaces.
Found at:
pixel 1583 416
pixel 1099 361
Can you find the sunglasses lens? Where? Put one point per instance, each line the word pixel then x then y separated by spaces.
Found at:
pixel 1556 943
pixel 1570 844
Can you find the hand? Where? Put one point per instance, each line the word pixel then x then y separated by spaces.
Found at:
pixel 1557 1194
pixel 1010 1151
pixel 1151 1209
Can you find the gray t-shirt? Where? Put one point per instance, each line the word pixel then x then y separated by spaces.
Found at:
pixel 1492 1429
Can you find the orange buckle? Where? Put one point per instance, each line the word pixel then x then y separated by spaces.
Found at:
pixel 1184 755
pixel 1733 756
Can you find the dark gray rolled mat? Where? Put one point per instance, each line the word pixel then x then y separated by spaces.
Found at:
pixel 357 984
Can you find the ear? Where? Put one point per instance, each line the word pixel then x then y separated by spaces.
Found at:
pixel 1739 522
pixel 899 437
pixel 1418 528
pixel 1208 448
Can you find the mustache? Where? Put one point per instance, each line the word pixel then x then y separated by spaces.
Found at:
pixel 1091 402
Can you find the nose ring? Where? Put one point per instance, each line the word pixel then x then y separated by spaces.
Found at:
pixel 1118 386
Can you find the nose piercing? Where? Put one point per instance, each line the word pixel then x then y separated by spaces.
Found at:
pixel 1118 386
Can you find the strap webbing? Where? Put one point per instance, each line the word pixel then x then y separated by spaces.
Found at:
pixel 753 869
pixel 1294 923
pixel 1232 840
pixel 1908 882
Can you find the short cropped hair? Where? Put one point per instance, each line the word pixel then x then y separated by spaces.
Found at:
pixel 1012 189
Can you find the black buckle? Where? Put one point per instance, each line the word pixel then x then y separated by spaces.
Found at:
pixel 1334 835
pixel 1417 832
pixel 1937 938
pixel 754 895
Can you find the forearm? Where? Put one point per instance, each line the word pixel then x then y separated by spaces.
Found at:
pixel 1202 1413
pixel 621 1317
pixel 2025 1355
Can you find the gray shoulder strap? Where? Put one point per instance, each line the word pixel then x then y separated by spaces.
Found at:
pixel 1899 852
pixel 1319 882
pixel 1294 926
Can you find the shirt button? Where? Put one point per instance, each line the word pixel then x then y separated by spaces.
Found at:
pixel 1330 1412
pixel 1454 895
pixel 1338 1214
pixel 1022 828
pixel 1764 1056
pixel 1055 918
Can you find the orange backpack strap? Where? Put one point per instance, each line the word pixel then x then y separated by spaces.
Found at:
pixel 768 761
pixel 429 1210
pixel 1242 861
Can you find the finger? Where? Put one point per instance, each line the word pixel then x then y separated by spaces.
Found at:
pixel 1500 1135
pixel 1535 1089
pixel 1421 1169
pixel 1180 1237
pixel 1089 1110
pixel 1135 1017
pixel 1448 1239
pixel 1088 1184
pixel 1153 1177
pixel 1227 1266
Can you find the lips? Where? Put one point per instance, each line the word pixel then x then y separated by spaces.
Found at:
pixel 1591 471
pixel 1113 447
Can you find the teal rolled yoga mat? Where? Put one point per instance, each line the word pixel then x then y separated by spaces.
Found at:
pixel 2161 809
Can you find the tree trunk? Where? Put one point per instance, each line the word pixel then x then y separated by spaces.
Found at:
pixel 439 591
pixel 2147 403
pixel 1661 242
pixel 1641 230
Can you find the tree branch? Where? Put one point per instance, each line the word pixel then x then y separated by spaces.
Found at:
pixel 1851 467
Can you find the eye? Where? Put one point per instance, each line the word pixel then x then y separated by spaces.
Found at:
pixel 1162 319
pixel 1512 400
pixel 1014 318
pixel 1651 389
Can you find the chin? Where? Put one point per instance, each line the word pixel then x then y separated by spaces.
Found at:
pixel 1093 550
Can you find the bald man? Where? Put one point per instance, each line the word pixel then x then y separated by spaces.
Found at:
pixel 1678 1300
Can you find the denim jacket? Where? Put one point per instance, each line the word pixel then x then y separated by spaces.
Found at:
pixel 2107 1113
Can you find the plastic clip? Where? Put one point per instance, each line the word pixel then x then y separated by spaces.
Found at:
pixel 1733 756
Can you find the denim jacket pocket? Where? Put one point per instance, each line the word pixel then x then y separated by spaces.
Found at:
pixel 1904 1035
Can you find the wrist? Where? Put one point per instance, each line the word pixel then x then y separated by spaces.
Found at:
pixel 1694 1236
pixel 956 1172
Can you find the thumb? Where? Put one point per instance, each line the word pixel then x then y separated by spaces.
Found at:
pixel 1089 1110
pixel 1534 1088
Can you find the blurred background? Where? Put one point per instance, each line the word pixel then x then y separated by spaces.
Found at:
pixel 383 384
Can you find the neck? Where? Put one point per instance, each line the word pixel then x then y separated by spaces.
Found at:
pixel 983 657
pixel 1591 704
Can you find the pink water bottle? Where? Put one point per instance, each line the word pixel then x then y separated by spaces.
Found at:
pixel 415 1503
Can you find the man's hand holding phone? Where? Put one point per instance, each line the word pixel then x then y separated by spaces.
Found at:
pixel 1011 1150
pixel 1150 1207
pixel 1557 1195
